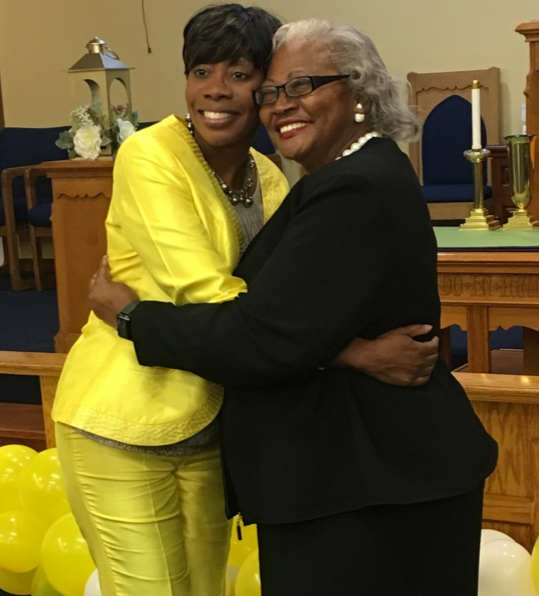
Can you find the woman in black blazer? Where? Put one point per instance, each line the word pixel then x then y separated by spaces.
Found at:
pixel 357 487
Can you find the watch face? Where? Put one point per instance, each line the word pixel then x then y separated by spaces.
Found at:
pixel 123 323
pixel 123 320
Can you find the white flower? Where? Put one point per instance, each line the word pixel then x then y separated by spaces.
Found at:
pixel 87 141
pixel 81 117
pixel 125 129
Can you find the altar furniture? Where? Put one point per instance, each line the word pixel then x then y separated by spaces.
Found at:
pixel 82 192
pixel 27 424
pixel 488 280
pixel 531 33
pixel 444 109
pixel 19 149
pixel 508 406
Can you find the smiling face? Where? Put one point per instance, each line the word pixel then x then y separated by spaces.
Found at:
pixel 220 100
pixel 313 129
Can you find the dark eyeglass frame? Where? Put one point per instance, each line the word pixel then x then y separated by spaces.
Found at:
pixel 316 81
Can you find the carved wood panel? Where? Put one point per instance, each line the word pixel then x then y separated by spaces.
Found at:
pixel 508 406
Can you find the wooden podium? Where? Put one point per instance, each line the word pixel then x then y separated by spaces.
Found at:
pixel 81 198
pixel 531 33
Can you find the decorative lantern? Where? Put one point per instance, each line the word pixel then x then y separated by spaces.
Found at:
pixel 99 68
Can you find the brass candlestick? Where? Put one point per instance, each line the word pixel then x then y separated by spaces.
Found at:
pixel 479 218
pixel 518 151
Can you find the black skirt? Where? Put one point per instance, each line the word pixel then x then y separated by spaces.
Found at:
pixel 420 549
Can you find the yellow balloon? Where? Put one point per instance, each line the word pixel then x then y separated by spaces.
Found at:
pixel 248 581
pixel 13 458
pixel 41 585
pixel 65 557
pixel 241 549
pixel 16 583
pixel 535 566
pixel 21 535
pixel 41 487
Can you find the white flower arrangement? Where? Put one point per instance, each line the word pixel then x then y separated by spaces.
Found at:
pixel 91 130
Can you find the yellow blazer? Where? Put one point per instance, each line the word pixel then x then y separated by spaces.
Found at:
pixel 172 236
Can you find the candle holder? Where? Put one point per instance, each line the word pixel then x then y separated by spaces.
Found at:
pixel 479 218
pixel 519 154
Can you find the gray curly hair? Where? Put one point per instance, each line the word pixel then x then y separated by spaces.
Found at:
pixel 352 52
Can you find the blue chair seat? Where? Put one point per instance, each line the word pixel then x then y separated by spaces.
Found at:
pixel 21 214
pixel 40 215
pixel 452 193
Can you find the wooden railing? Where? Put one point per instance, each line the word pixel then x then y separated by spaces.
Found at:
pixel 30 423
pixel 508 406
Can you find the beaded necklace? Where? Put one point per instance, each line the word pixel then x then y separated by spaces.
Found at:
pixel 239 196
pixel 359 143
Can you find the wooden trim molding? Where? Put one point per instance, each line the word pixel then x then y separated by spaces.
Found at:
pixel 508 406
pixel 28 422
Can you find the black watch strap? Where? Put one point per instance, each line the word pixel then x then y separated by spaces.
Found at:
pixel 123 320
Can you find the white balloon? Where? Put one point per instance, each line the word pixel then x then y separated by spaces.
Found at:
pixel 505 570
pixel 490 535
pixel 92 585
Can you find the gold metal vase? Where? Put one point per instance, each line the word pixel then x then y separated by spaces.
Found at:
pixel 520 168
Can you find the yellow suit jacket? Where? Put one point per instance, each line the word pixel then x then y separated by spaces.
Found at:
pixel 172 236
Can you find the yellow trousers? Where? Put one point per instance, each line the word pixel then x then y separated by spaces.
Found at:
pixel 155 525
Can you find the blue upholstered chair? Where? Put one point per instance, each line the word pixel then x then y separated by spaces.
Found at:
pixel 21 148
pixel 441 100
pixel 447 174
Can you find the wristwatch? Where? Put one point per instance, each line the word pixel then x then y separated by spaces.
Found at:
pixel 123 320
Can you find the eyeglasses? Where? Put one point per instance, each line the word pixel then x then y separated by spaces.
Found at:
pixel 294 88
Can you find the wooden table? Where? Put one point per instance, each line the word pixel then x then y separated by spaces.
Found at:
pixel 491 280
pixel 81 198
pixel 483 291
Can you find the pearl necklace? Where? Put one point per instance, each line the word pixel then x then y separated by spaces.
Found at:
pixel 239 196
pixel 359 143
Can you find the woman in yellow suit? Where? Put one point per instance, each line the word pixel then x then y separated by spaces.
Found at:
pixel 139 447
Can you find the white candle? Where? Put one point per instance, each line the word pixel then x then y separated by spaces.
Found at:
pixel 476 115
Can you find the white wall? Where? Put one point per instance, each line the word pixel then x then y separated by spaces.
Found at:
pixel 40 40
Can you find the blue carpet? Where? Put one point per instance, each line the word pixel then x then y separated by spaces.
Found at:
pixel 28 323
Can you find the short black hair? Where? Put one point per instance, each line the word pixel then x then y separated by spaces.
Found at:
pixel 229 32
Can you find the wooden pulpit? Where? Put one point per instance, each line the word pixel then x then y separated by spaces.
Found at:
pixel 81 196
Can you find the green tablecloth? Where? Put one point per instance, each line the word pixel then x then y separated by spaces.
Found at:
pixel 455 238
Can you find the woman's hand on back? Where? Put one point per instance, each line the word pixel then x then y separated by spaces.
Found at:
pixel 106 297
pixel 395 357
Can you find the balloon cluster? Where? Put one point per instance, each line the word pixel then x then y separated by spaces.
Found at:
pixel 506 567
pixel 42 551
pixel 243 572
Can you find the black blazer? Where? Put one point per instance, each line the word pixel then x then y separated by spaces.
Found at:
pixel 350 252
